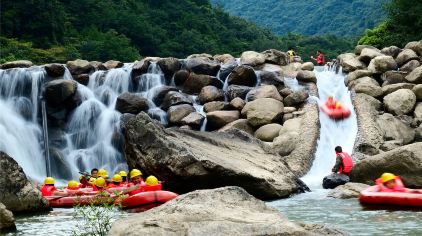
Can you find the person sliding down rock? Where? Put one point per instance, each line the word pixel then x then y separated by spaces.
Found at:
pixel 344 162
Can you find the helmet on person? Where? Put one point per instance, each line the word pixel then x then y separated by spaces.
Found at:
pixel 49 180
pixel 91 181
pixel 72 184
pixel 135 172
pixel 102 173
pixel 151 180
pixel 123 173
pixel 117 178
pixel 387 177
pixel 100 182
pixel 338 105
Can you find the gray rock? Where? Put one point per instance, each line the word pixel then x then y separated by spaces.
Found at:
pixel 417 90
pixel 175 98
pixel 97 65
pixel 203 67
pixel 160 93
pixel 405 56
pixel 82 79
pixel 393 77
pixel 194 120
pixel 394 129
pixel 367 85
pixel 210 93
pixel 224 58
pixel 239 91
pixel 195 82
pixel 113 64
pixel 272 78
pixel 172 155
pixel 289 110
pixel 415 46
pixel 306 76
pixel 354 75
pixel 415 76
pixel 215 106
pixel 54 70
pixel 60 91
pixel 7 221
pixel 78 67
pixel 16 64
pixel 178 112
pixel 368 53
pixel 169 66
pixel 405 161
pixel 296 99
pixel 349 62
pixel 275 57
pixel 263 111
pixel 394 87
pixel 252 58
pixel 131 103
pixel 17 193
pixel 391 51
pixel 286 142
pixel 222 211
pixel 390 145
pixel 418 134
pixel 243 75
pixel 268 132
pixel 285 92
pixel 360 48
pixel 180 77
pixel 240 124
pixel 381 64
pixel 264 91
pixel 237 103
pixel 141 67
pixel 307 66
pixel 348 190
pixel 400 102
pixel 410 66
pixel 418 110
pixel 218 119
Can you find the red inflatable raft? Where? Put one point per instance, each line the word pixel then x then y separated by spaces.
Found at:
pixel 411 197
pixel 336 114
pixel 147 200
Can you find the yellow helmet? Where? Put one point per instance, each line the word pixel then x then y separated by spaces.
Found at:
pixel 100 182
pixel 338 105
pixel 92 180
pixel 151 180
pixel 72 184
pixel 49 180
pixel 135 172
pixel 117 178
pixel 123 173
pixel 102 173
pixel 387 177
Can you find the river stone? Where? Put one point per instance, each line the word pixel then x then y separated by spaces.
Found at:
pixel 348 190
pixel 243 75
pixel 289 110
pixel 417 90
pixel 141 67
pixel 291 125
pixel 276 57
pixel 400 102
pixel 222 211
pixel 286 142
pixel 54 70
pixel 415 46
pixel 60 91
pixel 226 70
pixel 381 64
pixel 97 65
pixel 368 53
pixel 367 85
pixel 252 58
pixel 237 103
pixel 160 93
pixel 210 93
pixel 215 106
pixel 285 92
pixel 195 82
pixel 391 51
pixel 224 58
pixel 203 56
pixel 218 119
pixel 178 112
pixel 394 129
pixel 203 67
pixel 180 77
pixel 405 56
pixel 307 66
pixel 405 161
pixel 16 64
pixel 410 66
pixel 263 111
pixel 296 99
pixel 359 49
pixel 264 91
pixel 131 103
pixel 82 79
pixel 415 76
pixel 169 66
pixel 79 66
pixel 241 124
pixel 306 76
pixel 189 160
pixel 418 134
pixel 175 98
pixel 333 180
pixel 238 91
pixel 7 221
pixel 394 87
pixel 390 145
pixel 354 75
pixel 418 110
pixel 194 120
pixel 268 132
pixel 112 64
pixel 393 77
pixel 17 193
pixel 272 78
pixel 349 62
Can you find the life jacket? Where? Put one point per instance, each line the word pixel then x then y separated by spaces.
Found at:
pixel 347 163
pixel 399 187
pixel 74 188
pixel 112 185
pixel 320 59
pixel 47 190
pixel 147 188
pixel 95 188
pixel 330 103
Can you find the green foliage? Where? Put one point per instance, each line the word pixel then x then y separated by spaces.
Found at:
pixel 311 17
pixel 93 220
pixel 403 24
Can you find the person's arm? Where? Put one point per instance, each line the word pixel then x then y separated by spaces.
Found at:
pixel 338 164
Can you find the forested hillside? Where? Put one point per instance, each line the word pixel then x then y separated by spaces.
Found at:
pixel 310 17
pixel 47 30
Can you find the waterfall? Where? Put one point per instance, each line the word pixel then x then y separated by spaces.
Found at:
pixel 332 133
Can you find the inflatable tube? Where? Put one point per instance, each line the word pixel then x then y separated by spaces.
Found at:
pixel 336 114
pixel 148 200
pixel 70 201
pixel 412 197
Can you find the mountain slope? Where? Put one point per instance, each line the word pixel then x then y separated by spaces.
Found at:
pixel 310 17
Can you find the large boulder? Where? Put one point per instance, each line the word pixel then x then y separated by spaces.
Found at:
pixel 367 85
pixel 286 142
pixel 406 56
pixel 195 82
pixel 240 124
pixel 175 98
pixel 275 57
pixel 306 76
pixel 354 75
pixel 387 89
pixel 391 51
pixel 218 119
pixel 239 91
pixel 7 221
pixel 237 103
pixel 180 77
pixel 296 99
pixel 394 129
pixel 415 76
pixel 349 62
pixel 82 79
pixel 203 67
pixel 215 106
pixel 348 190
pixel 381 64
pixel 16 64
pixel 79 66
pixel 265 91
pixel 400 102
pixel 243 75
pixel 59 92
pixel 393 77
pixel 417 90
pixel 160 93
pixel 54 70
pixel 410 66
pixel 334 180
pixel 415 46
pixel 17 193
pixel 178 112
pixel 141 67
pixel 263 111
pixel 368 53
pixel 131 103
pixel 252 58
pixel 169 66
pixel 112 64
pixel 210 93
pixel 194 120
pixel 224 58
pixel 405 161
pixel 222 211
pixel 223 159
pixel 268 132
pixel 307 66
pixel 359 49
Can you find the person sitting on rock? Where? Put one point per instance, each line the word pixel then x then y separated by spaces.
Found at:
pixel 344 162
pixel 48 188
pixel 117 180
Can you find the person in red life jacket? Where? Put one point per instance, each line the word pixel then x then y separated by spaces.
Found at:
pixel 320 58
pixel 136 181
pixel 117 180
pixel 390 183
pixel 83 182
pixel 330 103
pixel 100 184
pixel 48 188
pixel 151 184
pixel 344 162
pixel 73 185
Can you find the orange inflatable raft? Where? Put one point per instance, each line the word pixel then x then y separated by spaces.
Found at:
pixel 336 113
pixel 411 197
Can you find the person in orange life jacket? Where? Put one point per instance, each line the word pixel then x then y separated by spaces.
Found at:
pixel 330 103
pixel 390 183
pixel 344 162
pixel 320 60
pixel 117 180
pixel 48 188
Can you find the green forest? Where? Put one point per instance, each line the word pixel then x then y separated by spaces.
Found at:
pixel 312 17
